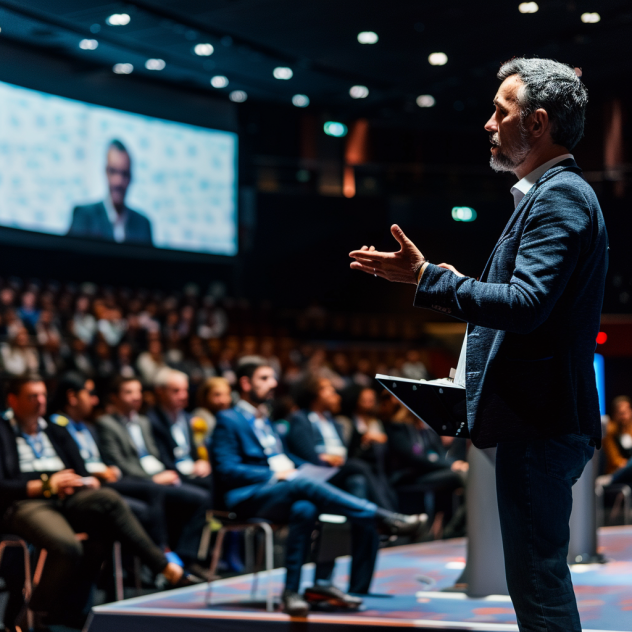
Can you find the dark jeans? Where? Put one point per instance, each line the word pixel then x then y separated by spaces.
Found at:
pixel 71 567
pixel 299 503
pixel 533 481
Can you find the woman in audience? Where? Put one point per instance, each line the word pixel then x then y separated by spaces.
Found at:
pixel 617 443
pixel 214 395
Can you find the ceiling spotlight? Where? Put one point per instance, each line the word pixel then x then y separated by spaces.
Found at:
pixel 88 44
pixel 359 92
pixel 300 100
pixel 438 59
pixel 333 128
pixel 203 50
pixel 528 7
pixel 238 96
pixel 425 101
pixel 590 18
pixel 282 72
pixel 118 19
pixel 155 64
pixel 368 37
pixel 123 69
pixel 219 81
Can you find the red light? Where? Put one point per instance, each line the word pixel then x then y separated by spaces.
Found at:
pixel 602 336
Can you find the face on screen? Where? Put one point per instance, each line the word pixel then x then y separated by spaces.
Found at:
pixel 119 174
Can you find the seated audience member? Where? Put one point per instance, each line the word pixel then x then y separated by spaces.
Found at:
pixel 47 497
pixel 363 431
pixel 617 443
pixel 254 476
pixel 171 427
pixel 317 438
pixel 417 457
pixel 128 442
pixel 19 355
pixel 74 402
pixel 214 394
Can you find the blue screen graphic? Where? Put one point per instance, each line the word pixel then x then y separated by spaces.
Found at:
pixel 180 181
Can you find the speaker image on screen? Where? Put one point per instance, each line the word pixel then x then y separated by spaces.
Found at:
pixel 89 172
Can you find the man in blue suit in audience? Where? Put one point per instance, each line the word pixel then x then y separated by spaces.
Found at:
pixel 533 316
pixel 112 220
pixel 254 476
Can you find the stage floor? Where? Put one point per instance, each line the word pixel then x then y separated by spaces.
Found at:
pixel 401 597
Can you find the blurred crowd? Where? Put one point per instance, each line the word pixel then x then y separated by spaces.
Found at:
pixel 103 331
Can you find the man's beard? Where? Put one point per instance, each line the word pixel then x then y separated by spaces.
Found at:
pixel 265 399
pixel 509 161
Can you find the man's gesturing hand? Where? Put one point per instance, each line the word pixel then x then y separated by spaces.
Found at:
pixel 402 266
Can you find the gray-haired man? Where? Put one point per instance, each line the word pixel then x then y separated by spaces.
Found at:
pixel 532 322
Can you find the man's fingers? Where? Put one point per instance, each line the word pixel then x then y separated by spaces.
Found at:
pixel 371 255
pixel 398 233
pixel 368 269
pixel 369 262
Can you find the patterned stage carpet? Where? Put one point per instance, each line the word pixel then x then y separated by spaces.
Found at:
pixel 406 594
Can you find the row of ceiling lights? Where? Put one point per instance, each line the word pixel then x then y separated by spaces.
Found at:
pixel 205 49
pixel 283 73
pixel 532 7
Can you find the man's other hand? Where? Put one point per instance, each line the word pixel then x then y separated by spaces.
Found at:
pixel 447 266
pixel 334 460
pixel 168 477
pixel 284 475
pixel 201 468
pixel 401 267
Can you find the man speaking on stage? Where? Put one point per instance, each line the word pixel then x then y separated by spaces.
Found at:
pixel 533 317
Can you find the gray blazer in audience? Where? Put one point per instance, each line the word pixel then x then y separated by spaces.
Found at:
pixel 117 447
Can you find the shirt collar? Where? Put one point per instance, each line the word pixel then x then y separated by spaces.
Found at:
pixel 41 423
pixel 248 408
pixel 522 187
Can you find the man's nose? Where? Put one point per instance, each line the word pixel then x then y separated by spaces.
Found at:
pixel 491 125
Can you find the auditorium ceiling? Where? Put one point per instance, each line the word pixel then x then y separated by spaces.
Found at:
pixel 318 41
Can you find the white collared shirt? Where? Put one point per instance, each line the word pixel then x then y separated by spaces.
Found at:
pixel 118 220
pixel 522 187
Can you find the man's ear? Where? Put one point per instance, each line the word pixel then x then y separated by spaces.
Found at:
pixel 539 122
pixel 245 384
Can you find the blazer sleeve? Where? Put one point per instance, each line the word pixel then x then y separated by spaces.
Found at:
pixel 12 486
pixel 227 457
pixel 300 439
pixel 554 237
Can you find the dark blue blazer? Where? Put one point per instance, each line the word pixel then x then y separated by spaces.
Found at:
pixel 92 221
pixel 240 466
pixel 533 316
pixel 161 429
pixel 303 437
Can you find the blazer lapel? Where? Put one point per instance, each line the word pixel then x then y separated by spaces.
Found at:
pixel 105 227
pixel 565 165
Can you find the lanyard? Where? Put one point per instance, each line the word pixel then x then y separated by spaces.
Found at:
pixel 267 437
pixel 35 443
pixel 84 440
